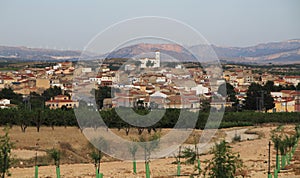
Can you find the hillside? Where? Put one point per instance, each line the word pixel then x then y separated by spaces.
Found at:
pixel 25 53
pixel 273 52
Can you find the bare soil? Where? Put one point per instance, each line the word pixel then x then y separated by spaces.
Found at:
pixel 253 150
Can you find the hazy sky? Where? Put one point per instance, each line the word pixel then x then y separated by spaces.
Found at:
pixel 73 23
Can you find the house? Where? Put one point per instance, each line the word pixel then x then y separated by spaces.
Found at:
pixel 284 105
pixel 60 101
pixel 159 98
pixel 42 83
pixel 286 101
pixel 200 89
pixel 6 81
pixel 292 79
pixel 5 103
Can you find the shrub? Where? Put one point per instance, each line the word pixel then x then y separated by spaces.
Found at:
pixel 224 163
pixel 236 138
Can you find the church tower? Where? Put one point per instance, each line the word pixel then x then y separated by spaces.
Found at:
pixel 157 58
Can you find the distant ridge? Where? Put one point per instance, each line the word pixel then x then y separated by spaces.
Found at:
pixel 274 52
pixel 25 53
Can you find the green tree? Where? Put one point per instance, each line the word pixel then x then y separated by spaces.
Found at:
pixel 224 163
pixel 298 86
pixel 205 105
pixel 101 93
pixel 99 144
pixel 269 86
pixel 8 93
pixel 133 147
pixel 55 155
pixel 24 118
pixel 5 156
pixel 96 156
pixel 38 118
pixel 137 63
pixel 276 140
pixel 190 155
pixel 149 63
pixel 51 92
pixel 258 98
pixel 229 92
pixel 149 144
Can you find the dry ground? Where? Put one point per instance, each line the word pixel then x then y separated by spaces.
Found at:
pixel 76 162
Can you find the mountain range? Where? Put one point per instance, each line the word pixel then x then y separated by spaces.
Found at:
pixel 283 52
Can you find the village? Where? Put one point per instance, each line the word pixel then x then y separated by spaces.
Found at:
pixel 156 86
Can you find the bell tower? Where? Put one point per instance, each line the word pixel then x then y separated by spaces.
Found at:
pixel 157 58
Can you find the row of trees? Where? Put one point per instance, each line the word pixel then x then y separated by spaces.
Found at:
pixel 37 117
pixel 59 117
pixel 285 144
pixel 34 100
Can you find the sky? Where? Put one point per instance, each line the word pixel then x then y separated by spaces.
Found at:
pixel 71 24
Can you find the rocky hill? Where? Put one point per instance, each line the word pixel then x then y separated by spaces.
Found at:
pixel 274 52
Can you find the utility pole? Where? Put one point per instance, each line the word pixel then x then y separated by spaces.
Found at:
pixel 269 161
pixel 257 99
pixel 262 102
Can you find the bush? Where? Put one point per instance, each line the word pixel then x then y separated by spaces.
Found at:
pixel 5 156
pixel 224 163
pixel 236 138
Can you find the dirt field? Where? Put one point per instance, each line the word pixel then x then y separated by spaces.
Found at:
pixel 76 162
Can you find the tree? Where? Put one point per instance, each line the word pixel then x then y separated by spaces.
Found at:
pixel 96 157
pixel 229 93
pixel 298 86
pixel 55 155
pixel 137 63
pixel 190 155
pixel 38 118
pixel 36 101
pixel 24 117
pixel 276 140
pixel 97 152
pixel 5 156
pixel 8 93
pixel 205 105
pixel 101 94
pixel 149 63
pixel 258 98
pixel 51 92
pixel 269 86
pixel 149 144
pixel 224 163
pixel 133 147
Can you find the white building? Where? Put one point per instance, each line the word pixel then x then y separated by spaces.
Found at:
pixel 86 70
pixel 277 94
pixel 151 62
pixel 200 89
pixel 5 103
pixel 292 79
